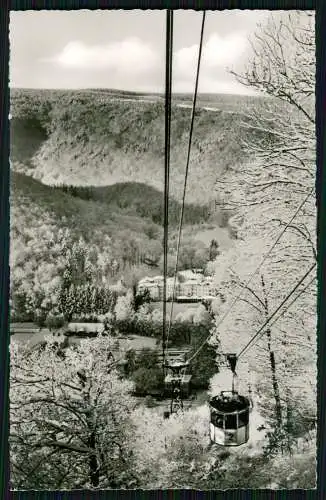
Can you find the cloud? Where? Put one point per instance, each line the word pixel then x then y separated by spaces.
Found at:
pixel 134 65
pixel 218 54
pixel 131 56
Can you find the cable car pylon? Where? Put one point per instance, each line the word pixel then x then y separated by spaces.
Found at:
pixel 229 411
pixel 177 376
pixel 174 381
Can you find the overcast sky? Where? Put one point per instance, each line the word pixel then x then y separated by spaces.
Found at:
pixel 126 49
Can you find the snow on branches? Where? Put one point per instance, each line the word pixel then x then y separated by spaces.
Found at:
pixel 69 417
pixel 263 195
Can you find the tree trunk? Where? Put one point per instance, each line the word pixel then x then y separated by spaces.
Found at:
pixel 278 407
pixel 93 465
pixel 289 424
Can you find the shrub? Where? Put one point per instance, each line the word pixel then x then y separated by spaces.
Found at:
pixel 54 321
pixel 40 318
pixel 202 316
pixel 130 366
pixel 147 380
pixel 141 298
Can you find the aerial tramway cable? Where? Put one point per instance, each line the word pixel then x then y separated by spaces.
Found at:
pixel 169 42
pixel 261 329
pixel 187 167
pixel 238 297
pixel 292 301
pixel 168 88
pixel 229 411
pixel 177 368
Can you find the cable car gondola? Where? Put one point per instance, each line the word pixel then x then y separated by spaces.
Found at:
pixel 229 411
pixel 229 419
pixel 229 414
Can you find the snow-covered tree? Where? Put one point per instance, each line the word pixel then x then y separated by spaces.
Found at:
pixel 202 316
pixel 265 193
pixel 69 418
pixel 157 316
pixel 144 312
pixel 186 316
pixel 124 309
pixel 79 269
pixel 171 453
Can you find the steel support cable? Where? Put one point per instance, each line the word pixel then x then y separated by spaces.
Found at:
pixel 261 329
pixel 238 297
pixel 168 85
pixel 187 167
pixel 292 302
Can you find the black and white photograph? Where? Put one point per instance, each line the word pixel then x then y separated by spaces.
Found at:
pixel 163 253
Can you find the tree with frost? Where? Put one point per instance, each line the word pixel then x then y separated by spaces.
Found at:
pixel 35 258
pixel 144 312
pixel 124 309
pixel 171 453
pixel 281 170
pixel 265 193
pixel 70 423
pixel 210 268
pixel 79 280
pixel 202 316
pixel 213 250
pixel 119 288
pixel 79 269
pixel 186 316
pixel 157 316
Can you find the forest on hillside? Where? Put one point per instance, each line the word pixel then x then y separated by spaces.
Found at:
pixel 82 138
pixel 79 424
pixel 117 235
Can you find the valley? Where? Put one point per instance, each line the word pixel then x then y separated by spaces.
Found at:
pixel 105 392
pixel 114 200
pixel 97 228
pixel 87 228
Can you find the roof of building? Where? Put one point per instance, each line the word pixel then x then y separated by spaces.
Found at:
pixel 148 284
pixel 185 379
pixel 191 282
pixel 85 327
pixel 191 279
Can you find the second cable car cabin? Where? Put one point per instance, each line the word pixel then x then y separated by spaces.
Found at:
pixel 229 414
pixel 177 383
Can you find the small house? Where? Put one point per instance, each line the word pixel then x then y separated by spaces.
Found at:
pixel 85 329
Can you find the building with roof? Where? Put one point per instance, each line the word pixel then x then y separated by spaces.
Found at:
pixel 195 285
